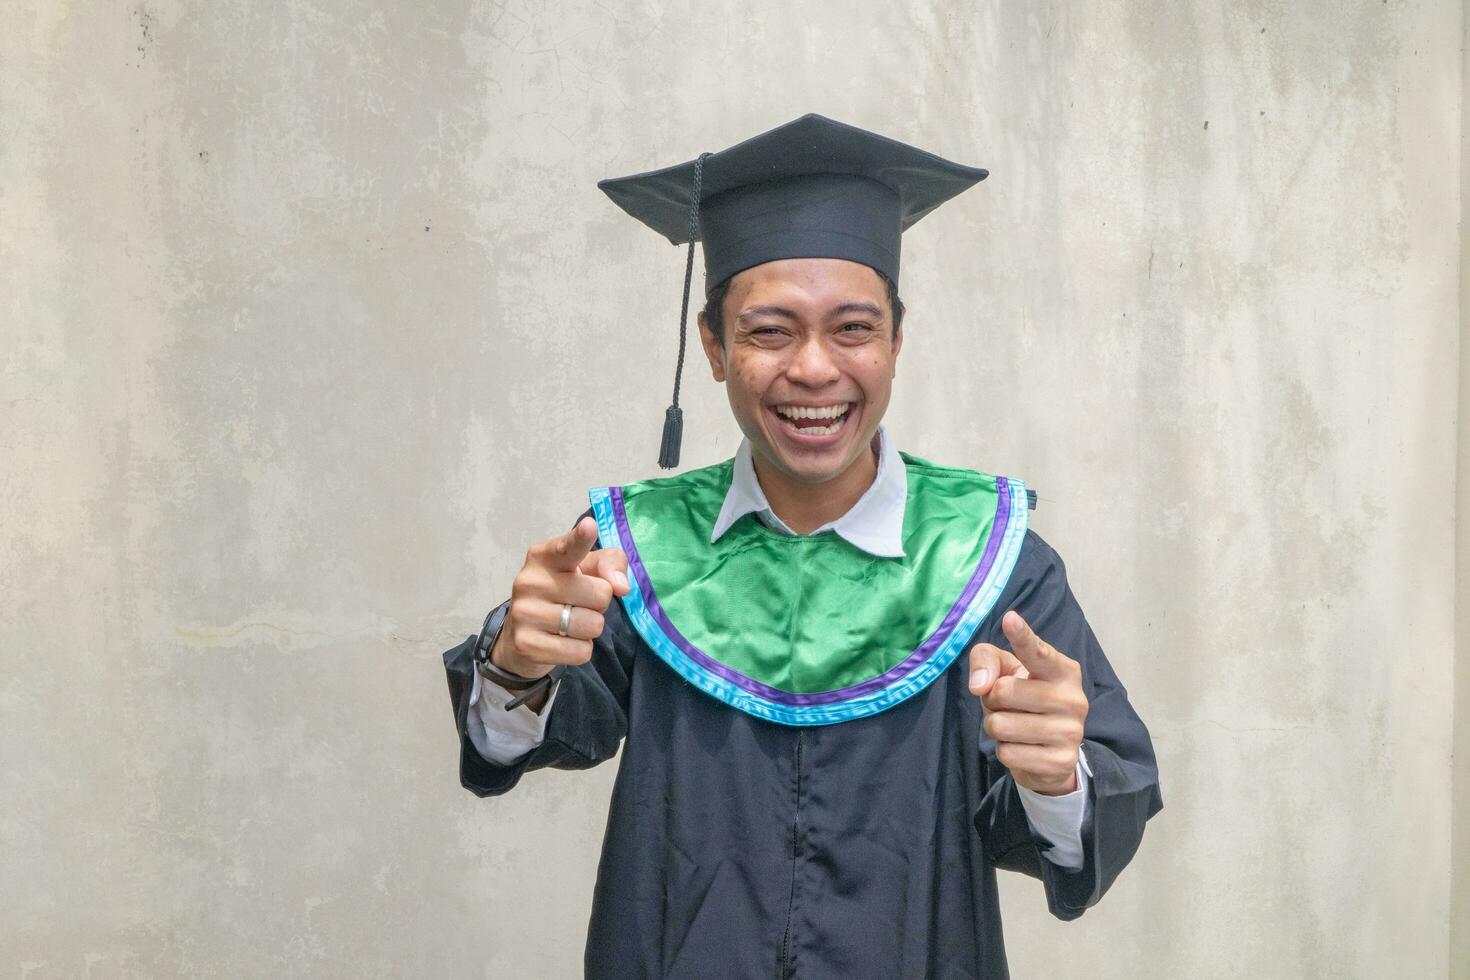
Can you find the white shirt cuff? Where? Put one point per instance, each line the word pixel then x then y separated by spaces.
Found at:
pixel 1059 818
pixel 501 736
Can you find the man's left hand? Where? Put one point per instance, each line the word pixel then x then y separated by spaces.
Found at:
pixel 1034 707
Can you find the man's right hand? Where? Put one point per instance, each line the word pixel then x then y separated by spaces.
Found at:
pixel 563 571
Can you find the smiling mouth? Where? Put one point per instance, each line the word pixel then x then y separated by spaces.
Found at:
pixel 814 420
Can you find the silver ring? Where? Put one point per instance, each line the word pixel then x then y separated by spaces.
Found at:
pixel 566 620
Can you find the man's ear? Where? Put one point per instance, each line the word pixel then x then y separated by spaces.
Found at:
pixel 897 346
pixel 714 351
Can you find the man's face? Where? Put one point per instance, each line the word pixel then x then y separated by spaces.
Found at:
pixel 806 337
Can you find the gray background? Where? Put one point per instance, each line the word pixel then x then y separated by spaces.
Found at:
pixel 313 320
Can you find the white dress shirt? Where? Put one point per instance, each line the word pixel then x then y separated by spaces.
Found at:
pixel 875 525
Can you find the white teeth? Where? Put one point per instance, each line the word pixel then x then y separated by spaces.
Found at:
pixel 806 412
pixel 820 430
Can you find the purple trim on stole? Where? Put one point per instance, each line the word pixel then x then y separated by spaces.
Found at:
pixel 896 673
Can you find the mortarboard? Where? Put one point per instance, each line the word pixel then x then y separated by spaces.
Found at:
pixel 813 188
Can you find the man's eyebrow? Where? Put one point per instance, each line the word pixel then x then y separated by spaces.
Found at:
pixel 755 312
pixel 870 309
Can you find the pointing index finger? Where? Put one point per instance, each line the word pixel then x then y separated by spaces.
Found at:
pixel 1041 659
pixel 567 551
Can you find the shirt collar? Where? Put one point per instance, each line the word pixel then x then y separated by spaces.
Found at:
pixel 874 524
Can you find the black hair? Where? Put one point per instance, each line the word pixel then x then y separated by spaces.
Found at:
pixel 714 306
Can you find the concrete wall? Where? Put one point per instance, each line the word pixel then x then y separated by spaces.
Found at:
pixel 313 318
pixel 1460 807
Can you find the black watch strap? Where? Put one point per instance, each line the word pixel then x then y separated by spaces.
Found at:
pixel 526 687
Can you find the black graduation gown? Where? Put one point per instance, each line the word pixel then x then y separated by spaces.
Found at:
pixel 737 847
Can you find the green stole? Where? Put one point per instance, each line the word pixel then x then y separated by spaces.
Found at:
pixel 810 630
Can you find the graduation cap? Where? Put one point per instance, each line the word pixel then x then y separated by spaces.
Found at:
pixel 813 188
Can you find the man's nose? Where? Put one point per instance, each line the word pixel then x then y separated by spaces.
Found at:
pixel 812 365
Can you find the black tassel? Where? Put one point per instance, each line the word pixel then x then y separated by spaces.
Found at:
pixel 668 450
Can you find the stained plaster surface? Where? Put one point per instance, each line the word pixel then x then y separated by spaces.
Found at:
pixel 313 320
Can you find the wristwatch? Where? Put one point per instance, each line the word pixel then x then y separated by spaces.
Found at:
pixel 527 686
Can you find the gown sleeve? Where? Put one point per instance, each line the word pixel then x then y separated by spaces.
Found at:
pixel 586 723
pixel 1124 789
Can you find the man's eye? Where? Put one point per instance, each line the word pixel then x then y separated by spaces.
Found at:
pixel 859 326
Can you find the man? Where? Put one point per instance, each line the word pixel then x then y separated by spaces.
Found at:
pixel 848 683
